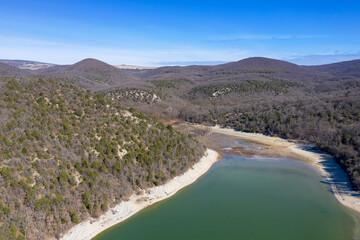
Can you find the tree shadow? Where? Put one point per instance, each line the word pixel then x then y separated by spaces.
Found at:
pixel 336 175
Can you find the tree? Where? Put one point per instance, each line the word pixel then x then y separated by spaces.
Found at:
pixel 104 207
pixel 24 150
pixel 74 217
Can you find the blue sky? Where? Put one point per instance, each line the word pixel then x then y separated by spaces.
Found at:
pixel 153 33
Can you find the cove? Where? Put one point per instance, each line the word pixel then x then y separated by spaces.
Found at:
pixel 246 198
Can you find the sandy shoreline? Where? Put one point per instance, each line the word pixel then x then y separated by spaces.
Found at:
pixel 86 231
pixel 330 170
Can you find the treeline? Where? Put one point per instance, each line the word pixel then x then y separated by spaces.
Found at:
pixel 171 83
pixel 333 125
pixel 67 154
pixel 249 71
pixel 247 86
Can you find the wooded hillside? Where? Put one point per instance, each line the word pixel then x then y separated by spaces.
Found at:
pixel 67 154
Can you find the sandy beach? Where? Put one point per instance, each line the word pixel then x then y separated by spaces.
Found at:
pixel 86 231
pixel 330 170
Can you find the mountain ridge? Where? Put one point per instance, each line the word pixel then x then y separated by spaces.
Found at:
pixel 348 68
pixel 11 71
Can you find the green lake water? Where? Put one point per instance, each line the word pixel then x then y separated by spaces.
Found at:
pixel 246 198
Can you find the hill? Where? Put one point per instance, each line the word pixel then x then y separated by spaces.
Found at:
pixel 67 154
pixel 198 88
pixel 256 68
pixel 89 74
pixel 26 64
pixel 259 63
pixel 262 95
pixel 11 71
pixel 268 65
pixel 347 68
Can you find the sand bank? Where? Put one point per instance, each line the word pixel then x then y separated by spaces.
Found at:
pixel 330 170
pixel 86 231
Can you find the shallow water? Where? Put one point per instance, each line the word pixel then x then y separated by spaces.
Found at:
pixel 246 198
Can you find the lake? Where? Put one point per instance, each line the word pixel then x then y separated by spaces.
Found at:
pixel 246 198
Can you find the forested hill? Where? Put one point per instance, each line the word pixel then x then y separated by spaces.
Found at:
pixel 11 71
pixel 88 74
pixel 67 154
pixel 347 68
pixel 318 104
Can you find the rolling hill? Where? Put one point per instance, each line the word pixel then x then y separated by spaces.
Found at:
pixel 256 68
pixel 347 68
pixel 318 104
pixel 11 71
pixel 26 64
pixel 90 74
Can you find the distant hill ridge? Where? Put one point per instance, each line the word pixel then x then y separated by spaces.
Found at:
pixel 256 63
pixel 88 73
pixel 347 68
pixel 11 71
pixel 26 64
pixel 96 75
pixel 237 71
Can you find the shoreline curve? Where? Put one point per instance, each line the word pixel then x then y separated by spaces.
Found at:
pixel 85 230
pixel 333 174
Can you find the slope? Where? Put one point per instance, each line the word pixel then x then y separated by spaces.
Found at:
pixel 11 71
pixel 90 74
pixel 347 68
pixel 26 64
pixel 67 154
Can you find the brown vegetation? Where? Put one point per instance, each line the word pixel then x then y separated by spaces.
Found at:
pixel 67 154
